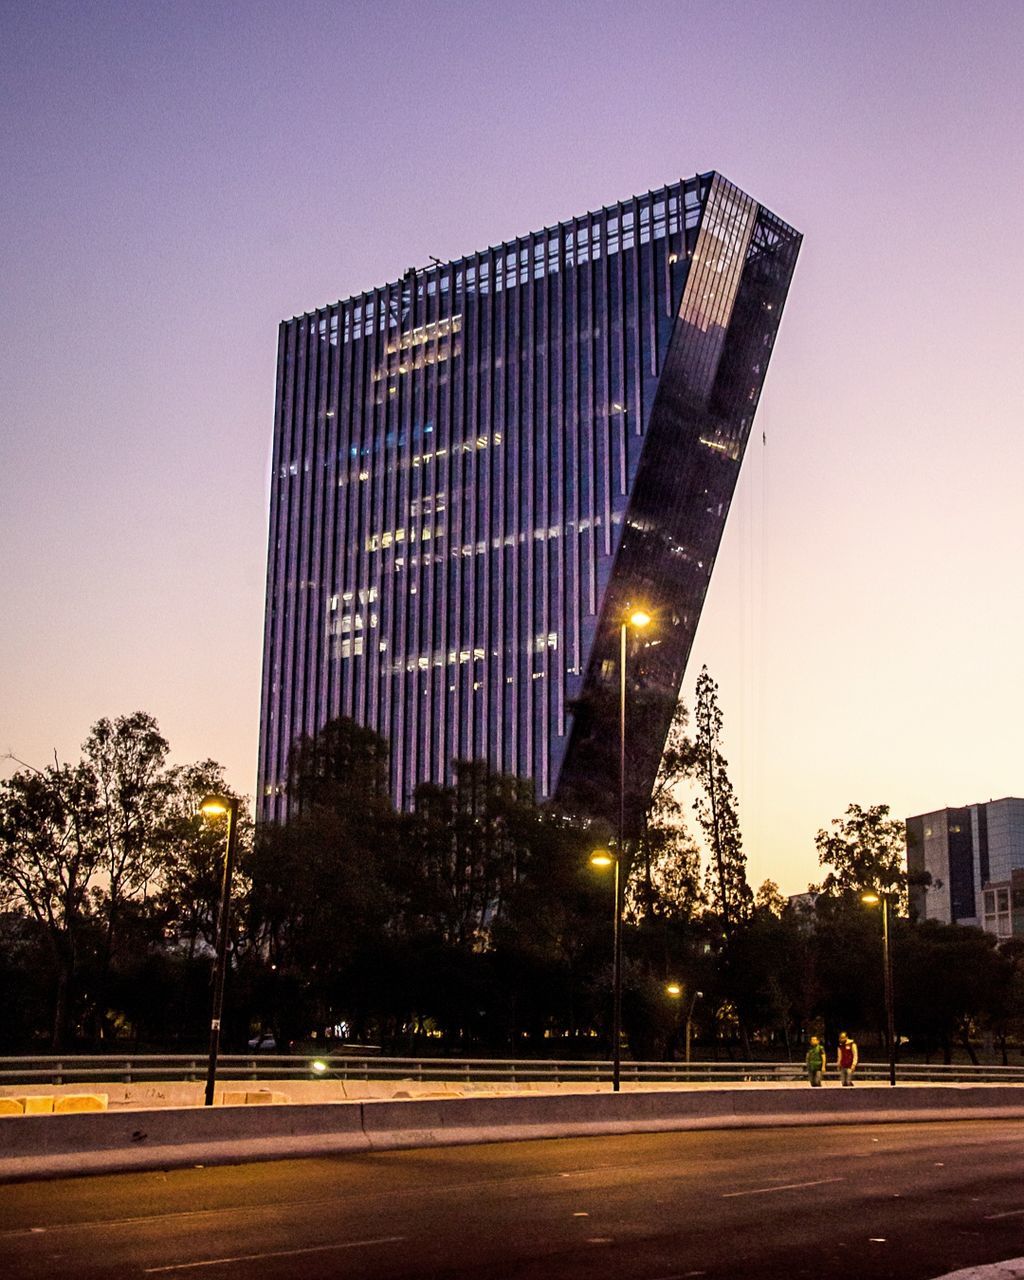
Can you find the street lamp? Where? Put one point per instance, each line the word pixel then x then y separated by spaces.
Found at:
pixel 602 858
pixel 217 807
pixel 675 990
pixel 638 619
pixel 872 899
pixel 689 1023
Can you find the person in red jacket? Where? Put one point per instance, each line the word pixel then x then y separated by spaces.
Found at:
pixel 846 1059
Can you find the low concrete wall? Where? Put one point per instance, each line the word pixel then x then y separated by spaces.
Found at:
pixel 186 1093
pixel 480 1119
pixel 67 1145
pixel 189 1093
pixel 103 1142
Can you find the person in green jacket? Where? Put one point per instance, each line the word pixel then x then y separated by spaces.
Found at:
pixel 815 1062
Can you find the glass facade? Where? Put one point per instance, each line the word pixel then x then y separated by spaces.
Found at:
pixel 478 466
pixel 965 851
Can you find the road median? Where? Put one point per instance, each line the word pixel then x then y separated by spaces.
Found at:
pixel 49 1146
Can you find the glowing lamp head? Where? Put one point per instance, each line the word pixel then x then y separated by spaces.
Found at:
pixel 214 807
pixel 319 1067
pixel 601 858
pixel 639 618
pixel 872 899
pixel 673 989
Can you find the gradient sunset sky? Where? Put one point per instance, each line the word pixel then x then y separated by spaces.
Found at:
pixel 178 177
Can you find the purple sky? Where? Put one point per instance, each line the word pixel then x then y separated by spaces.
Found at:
pixel 178 177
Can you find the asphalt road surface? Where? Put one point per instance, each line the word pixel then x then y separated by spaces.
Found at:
pixel 912 1201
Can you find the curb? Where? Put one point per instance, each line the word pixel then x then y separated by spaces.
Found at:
pixel 1011 1269
pixel 38 1147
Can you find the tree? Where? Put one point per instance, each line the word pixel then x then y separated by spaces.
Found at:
pixel 48 856
pixel 765 968
pixel 554 935
pixel 323 884
pixel 464 845
pixel 846 950
pixel 110 859
pixel 865 850
pixel 716 811
pixel 664 874
pixel 189 856
pixel 1008 1013
pixel 127 758
pixel 770 900
pixel 343 763
pixel 950 978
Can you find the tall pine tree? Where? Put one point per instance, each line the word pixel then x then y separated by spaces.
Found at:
pixel 715 807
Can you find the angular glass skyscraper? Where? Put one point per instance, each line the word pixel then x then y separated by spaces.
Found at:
pixel 479 467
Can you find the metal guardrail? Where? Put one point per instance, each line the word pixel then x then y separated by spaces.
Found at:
pixel 69 1069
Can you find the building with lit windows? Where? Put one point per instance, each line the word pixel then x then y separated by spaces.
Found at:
pixel 974 857
pixel 1003 906
pixel 479 466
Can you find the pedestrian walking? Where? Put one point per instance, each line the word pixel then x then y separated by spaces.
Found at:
pixel 846 1059
pixel 816 1060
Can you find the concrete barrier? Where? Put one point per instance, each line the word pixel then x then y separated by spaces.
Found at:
pixel 73 1103
pixel 37 1104
pixel 517 1118
pixel 107 1142
pixel 34 1146
pixel 250 1098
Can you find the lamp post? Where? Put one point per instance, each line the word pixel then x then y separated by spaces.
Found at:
pixel 675 990
pixel 638 619
pixel 872 899
pixel 689 1022
pixel 216 807
pixel 605 858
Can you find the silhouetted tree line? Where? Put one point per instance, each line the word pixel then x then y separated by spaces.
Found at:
pixel 472 924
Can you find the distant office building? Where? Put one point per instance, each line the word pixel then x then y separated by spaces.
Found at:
pixel 479 466
pixel 803 907
pixel 969 853
pixel 1003 906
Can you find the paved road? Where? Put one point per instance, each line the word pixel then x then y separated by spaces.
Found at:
pixel 907 1201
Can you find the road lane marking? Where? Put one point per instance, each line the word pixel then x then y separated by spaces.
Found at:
pixel 790 1186
pixel 276 1253
pixel 1010 1213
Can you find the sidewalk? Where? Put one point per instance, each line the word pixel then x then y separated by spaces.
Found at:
pixel 178 1093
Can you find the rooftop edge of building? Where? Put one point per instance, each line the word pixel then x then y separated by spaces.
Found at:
pixel 516 241
pixel 974 804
